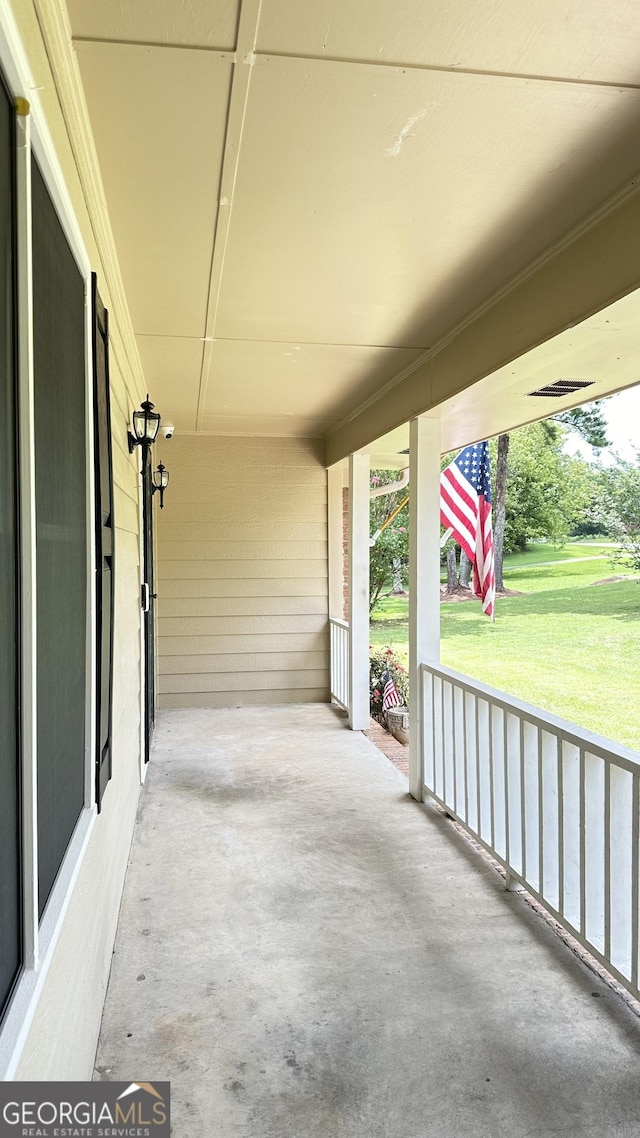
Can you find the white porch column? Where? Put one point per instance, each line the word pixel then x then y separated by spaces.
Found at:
pixel 335 541
pixel 424 578
pixel 359 591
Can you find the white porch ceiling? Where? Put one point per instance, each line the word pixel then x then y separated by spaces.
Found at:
pixel 307 196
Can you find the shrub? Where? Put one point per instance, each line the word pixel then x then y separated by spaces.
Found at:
pixel 379 660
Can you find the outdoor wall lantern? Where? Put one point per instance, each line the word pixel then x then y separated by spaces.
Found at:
pixel 160 481
pixel 146 424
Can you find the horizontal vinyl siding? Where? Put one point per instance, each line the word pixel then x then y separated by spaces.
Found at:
pixel 244 606
pixel 239 625
pixel 246 698
pixel 257 570
pixel 247 643
pixel 247 682
pixel 240 549
pixel 242 661
pixel 199 588
pixel 242 573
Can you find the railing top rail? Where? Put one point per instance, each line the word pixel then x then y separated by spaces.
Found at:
pixel 589 741
pixel 340 623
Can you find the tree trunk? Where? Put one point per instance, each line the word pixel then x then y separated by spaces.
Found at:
pixel 500 506
pixel 398 586
pixel 465 569
pixel 452 569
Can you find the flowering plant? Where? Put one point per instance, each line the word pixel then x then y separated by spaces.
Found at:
pixel 379 660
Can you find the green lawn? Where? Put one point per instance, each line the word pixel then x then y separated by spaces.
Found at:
pixel 543 552
pixel 566 645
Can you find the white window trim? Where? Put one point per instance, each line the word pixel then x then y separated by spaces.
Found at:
pixel 40 938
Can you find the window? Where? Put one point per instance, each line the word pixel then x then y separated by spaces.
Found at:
pixel 61 533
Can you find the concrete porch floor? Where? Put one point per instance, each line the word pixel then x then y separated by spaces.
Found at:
pixel 305 952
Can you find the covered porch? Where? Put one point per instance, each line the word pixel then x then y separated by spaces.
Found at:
pixel 318 238
pixel 303 949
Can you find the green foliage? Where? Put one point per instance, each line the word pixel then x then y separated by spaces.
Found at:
pixel 393 543
pixel 549 495
pixel 548 491
pixel 379 660
pixel 589 422
pixel 566 644
pixel 618 511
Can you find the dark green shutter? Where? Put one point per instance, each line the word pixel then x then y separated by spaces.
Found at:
pixel 104 542
pixel 149 615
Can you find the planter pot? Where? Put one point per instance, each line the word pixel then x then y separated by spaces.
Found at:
pixel 398 723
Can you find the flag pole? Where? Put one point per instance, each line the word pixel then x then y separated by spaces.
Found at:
pixel 373 540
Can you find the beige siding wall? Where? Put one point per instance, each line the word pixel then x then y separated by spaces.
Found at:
pixel 61 1039
pixel 242 573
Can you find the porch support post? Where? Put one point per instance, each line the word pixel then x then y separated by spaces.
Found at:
pixel 359 592
pixel 424 579
pixel 335 540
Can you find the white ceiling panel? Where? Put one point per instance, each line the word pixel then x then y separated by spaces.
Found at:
pixel 318 381
pixel 380 205
pixel 387 169
pixel 159 118
pixel 282 424
pixel 190 23
pixel 172 371
pixel 557 38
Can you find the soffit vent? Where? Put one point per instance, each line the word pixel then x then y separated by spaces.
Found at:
pixel 562 387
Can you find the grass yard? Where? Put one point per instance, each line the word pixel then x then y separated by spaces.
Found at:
pixel 544 552
pixel 566 645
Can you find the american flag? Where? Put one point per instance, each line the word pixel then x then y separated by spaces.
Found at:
pixel 390 694
pixel 465 507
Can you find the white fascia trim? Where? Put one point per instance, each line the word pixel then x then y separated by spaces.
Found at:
pixel 24 1002
pixel 17 70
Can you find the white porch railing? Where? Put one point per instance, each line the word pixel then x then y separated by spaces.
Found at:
pixel 557 806
pixel 339 644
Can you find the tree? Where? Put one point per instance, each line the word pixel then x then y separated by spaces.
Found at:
pixel 465 570
pixel 390 554
pixel 590 423
pixel 619 510
pixel 452 567
pixel 500 506
pixel 548 489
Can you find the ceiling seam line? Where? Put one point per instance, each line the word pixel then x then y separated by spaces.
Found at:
pixel 227 53
pixel 231 53
pixel 247 34
pixel 285 343
pixel 398 65
pixel 447 69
